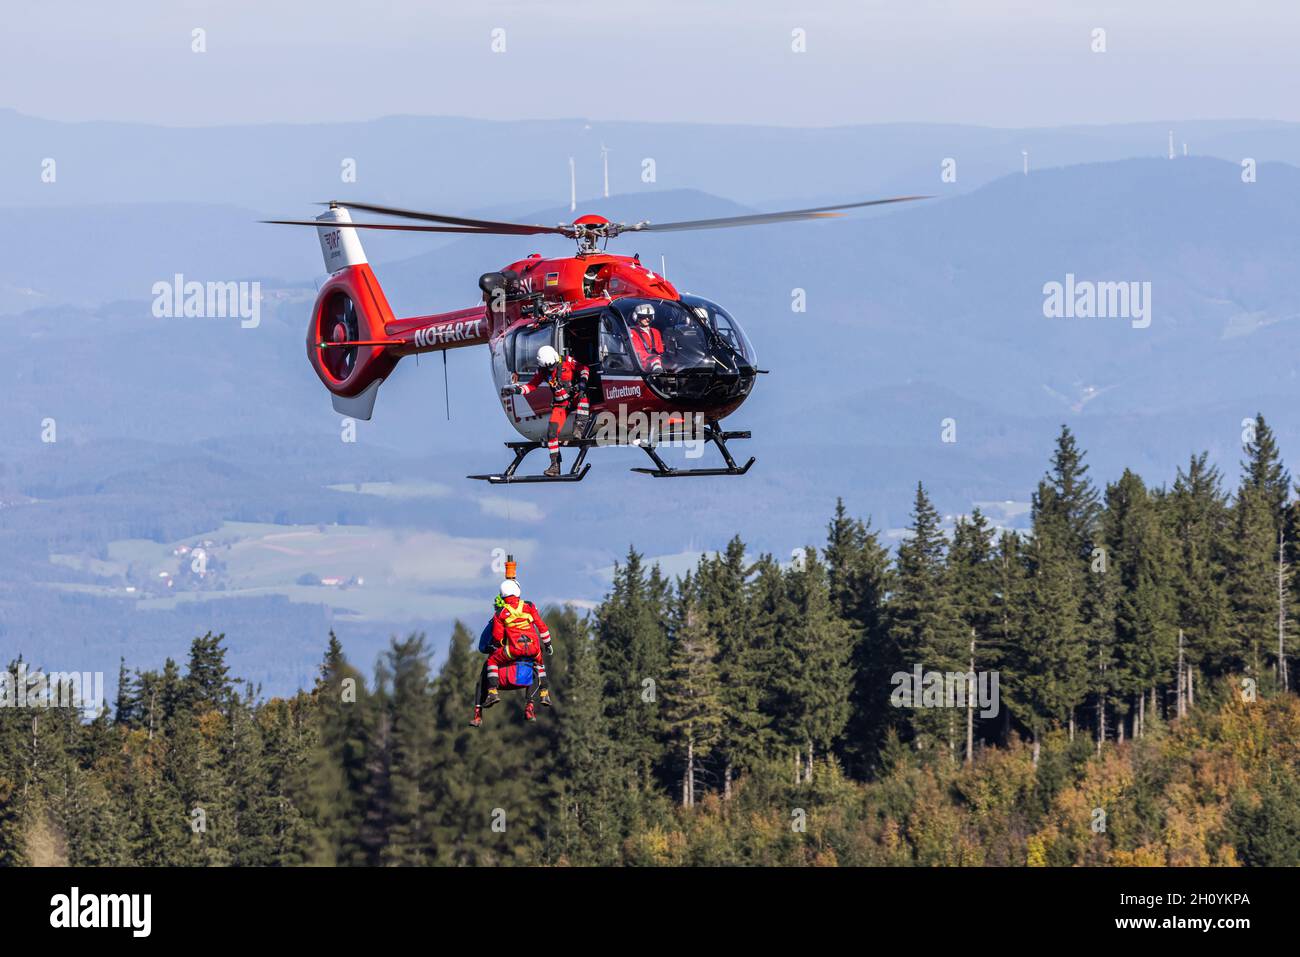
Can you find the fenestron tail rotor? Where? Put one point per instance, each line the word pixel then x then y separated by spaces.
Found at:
pixel 340 326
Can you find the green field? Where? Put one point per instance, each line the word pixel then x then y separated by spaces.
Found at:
pixel 389 573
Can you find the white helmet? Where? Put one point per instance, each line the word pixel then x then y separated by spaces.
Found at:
pixel 547 356
pixel 510 588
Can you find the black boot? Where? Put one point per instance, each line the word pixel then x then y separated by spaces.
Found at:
pixel 554 468
pixel 580 420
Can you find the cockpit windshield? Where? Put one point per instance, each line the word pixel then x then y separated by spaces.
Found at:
pixel 693 335
pixel 728 329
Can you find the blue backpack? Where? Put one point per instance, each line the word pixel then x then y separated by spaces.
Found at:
pixel 524 673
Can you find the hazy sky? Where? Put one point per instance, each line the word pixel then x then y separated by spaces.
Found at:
pixel 992 62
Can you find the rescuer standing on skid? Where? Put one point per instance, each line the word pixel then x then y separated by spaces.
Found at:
pixel 567 379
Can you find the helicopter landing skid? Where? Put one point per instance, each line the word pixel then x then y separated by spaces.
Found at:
pixel 576 473
pixel 664 470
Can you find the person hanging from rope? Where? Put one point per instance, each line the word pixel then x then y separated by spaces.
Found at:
pixel 567 378
pixel 518 635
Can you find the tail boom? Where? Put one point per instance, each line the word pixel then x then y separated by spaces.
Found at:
pixel 354 341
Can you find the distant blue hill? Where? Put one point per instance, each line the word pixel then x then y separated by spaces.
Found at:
pixel 469 163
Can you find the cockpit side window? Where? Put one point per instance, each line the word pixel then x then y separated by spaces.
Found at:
pixel 595 280
pixel 727 329
pixel 618 286
pixel 613 345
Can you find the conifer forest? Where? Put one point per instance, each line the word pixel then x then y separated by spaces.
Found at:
pixel 1113 686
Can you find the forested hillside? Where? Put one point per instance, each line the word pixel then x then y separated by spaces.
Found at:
pixel 748 712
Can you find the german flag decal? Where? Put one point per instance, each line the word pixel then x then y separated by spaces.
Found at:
pixel 552 279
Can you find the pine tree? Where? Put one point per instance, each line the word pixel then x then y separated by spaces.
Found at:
pixel 1251 579
pixel 1052 651
pixel 288 730
pixel 127 703
pixel 340 761
pixel 1263 472
pixel 972 583
pixel 407 755
pixel 1007 651
pixel 692 710
pixel 722 608
pixel 1261 525
pixel 813 654
pixel 1066 509
pixel 858 579
pixel 1201 526
pixel 242 762
pixel 631 630
pixel 772 616
pixel 924 621
pixel 1142 561
pixel 588 822
pixel 159 696
pixel 1075 500
pixel 455 807
pixel 207 679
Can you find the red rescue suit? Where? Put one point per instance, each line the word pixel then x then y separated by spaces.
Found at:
pixel 519 632
pixel 568 382
pixel 649 346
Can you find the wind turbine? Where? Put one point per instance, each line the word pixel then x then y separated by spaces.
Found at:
pixel 604 158
pixel 573 187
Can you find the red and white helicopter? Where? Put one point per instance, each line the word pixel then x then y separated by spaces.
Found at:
pixel 582 305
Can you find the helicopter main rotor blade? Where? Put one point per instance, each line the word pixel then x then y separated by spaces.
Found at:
pixel 410 227
pixel 487 227
pixel 487 224
pixel 758 219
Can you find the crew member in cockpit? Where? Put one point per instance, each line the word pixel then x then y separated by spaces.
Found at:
pixel 646 339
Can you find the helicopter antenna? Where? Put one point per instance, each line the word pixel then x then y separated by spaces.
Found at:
pixel 663 265
pixel 446 389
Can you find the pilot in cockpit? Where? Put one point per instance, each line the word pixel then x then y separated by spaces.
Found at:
pixel 646 339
